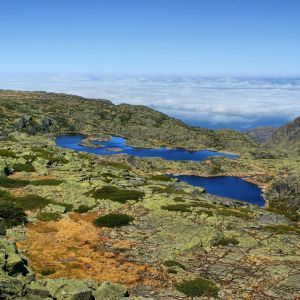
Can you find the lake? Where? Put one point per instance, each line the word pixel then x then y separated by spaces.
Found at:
pixel 227 186
pixel 110 147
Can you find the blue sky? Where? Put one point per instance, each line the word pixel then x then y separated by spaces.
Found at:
pixel 207 37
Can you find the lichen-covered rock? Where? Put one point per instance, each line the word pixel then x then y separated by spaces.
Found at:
pixel 55 208
pixel 110 291
pixel 68 289
pixel 41 165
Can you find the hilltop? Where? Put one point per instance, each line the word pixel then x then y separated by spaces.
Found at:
pixel 39 112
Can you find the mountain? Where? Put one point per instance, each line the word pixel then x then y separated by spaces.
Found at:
pixel 35 112
pixel 261 134
pixel 287 137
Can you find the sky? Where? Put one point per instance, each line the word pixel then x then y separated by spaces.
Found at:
pixel 207 37
pixel 212 63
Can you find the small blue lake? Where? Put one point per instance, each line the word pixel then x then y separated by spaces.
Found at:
pixel 226 186
pixel 118 145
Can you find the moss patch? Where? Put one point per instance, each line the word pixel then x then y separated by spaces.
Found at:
pixel 115 194
pixel 48 216
pixel 113 220
pixel 177 207
pixel 198 287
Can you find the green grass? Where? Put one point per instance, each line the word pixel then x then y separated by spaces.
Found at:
pixel 174 263
pixel 234 213
pixel 12 214
pixel 15 183
pixel 12 183
pixel 83 209
pixel 177 207
pixel 28 167
pixel 113 220
pixel 7 153
pixel 115 194
pixel 205 211
pixel 30 202
pixel 281 229
pixel 160 178
pixel 226 241
pixel 198 287
pixel 48 216
pixel 50 182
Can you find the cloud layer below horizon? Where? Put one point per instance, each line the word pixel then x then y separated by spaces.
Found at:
pixel 211 102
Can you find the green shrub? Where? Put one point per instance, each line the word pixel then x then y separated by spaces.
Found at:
pixel 30 202
pixel 281 229
pixel 113 220
pixel 172 271
pixel 117 165
pixel 226 241
pixel 48 216
pixel 50 182
pixel 205 211
pixel 115 194
pixel 7 153
pixel 49 155
pixel 179 199
pixel 46 272
pixel 160 178
pixel 83 209
pixel 12 183
pixel 177 207
pixel 28 167
pixel 173 263
pixel 12 214
pixel 4 195
pixel 198 287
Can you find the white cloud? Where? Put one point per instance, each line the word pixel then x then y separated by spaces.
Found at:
pixel 216 101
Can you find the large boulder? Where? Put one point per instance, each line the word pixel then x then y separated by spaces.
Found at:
pixel 110 291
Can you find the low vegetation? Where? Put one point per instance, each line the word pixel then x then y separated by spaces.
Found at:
pixel 113 220
pixel 174 263
pixel 198 287
pixel 115 194
pixel 12 214
pixel 16 183
pixel 177 207
pixel 27 167
pixel 281 229
pixel 160 178
pixel 48 216
pixel 246 215
pixel 83 209
pixel 226 241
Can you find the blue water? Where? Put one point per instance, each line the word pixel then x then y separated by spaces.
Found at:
pixel 227 186
pixel 73 141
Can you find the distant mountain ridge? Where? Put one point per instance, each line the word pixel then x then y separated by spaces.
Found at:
pixel 38 112
pixel 261 134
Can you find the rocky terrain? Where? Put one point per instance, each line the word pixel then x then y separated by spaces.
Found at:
pixel 261 134
pixel 81 226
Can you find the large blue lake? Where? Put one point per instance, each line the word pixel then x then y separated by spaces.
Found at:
pixel 118 145
pixel 226 186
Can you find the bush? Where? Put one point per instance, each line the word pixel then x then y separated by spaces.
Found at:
pixel 115 194
pixel 160 178
pixel 12 214
pixel 51 182
pixel 113 220
pixel 46 272
pixel 48 216
pixel 198 287
pixel 83 209
pixel 67 206
pixel 174 263
pixel 177 207
pixel 49 155
pixel 226 241
pixel 12 183
pixel 281 229
pixel 28 167
pixel 30 202
pixel 7 153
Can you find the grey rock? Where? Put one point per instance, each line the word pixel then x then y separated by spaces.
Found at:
pixel 110 291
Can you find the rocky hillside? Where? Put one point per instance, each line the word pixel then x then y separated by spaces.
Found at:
pixel 261 134
pixel 36 112
pixel 287 137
